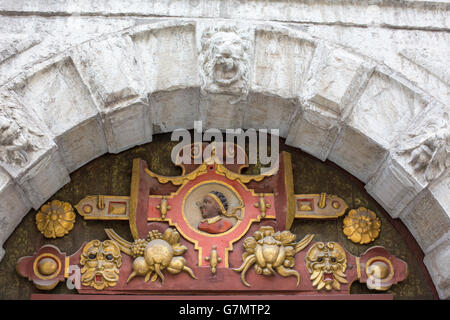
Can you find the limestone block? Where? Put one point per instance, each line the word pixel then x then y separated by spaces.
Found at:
pixel 385 108
pixel 27 152
pixel 168 55
pixel 314 131
pixel 59 97
pixel 13 207
pixel 423 148
pixel 84 143
pixel 270 112
pixel 46 176
pixel 426 219
pixel 440 188
pixel 218 111
pixel 116 78
pixel 335 79
pixel 437 264
pixel 393 187
pixel 174 109
pixel 357 153
pixel 430 59
pixel 128 127
pixel 281 63
pixel 111 69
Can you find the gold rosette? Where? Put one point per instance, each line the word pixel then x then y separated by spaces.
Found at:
pixel 55 219
pixel 362 225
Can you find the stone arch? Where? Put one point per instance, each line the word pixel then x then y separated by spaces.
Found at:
pixel 114 92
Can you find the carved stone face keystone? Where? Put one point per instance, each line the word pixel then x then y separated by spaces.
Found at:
pixel 224 61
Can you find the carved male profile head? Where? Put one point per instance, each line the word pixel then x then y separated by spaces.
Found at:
pixel 213 204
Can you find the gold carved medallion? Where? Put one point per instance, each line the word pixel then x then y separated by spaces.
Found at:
pixel 362 225
pixel 55 219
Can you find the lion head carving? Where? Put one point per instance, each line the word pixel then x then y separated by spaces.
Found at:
pixel 101 262
pixel 224 60
pixel 326 262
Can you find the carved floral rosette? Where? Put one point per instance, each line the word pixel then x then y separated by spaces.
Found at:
pixel 362 225
pixel 55 219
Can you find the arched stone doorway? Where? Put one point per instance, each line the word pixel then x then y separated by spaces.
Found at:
pixel 114 92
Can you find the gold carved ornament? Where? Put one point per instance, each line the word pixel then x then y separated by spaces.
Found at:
pixel 213 259
pixel 55 219
pixel 326 262
pixel 156 253
pixel 362 225
pixel 262 205
pixel 100 262
pixel 163 207
pixel 271 252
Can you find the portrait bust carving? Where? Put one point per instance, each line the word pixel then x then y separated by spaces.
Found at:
pixel 213 206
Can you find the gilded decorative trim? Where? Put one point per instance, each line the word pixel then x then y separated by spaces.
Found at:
pixel 289 182
pixel 66 267
pixel 178 180
pixel 358 267
pixel 134 196
pixel 243 178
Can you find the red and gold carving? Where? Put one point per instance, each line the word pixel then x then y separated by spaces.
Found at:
pixel 167 218
pixel 271 252
pixel 100 263
pixel 327 262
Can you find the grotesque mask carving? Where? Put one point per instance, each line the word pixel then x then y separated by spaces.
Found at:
pixel 327 263
pixel 224 61
pixel 101 262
